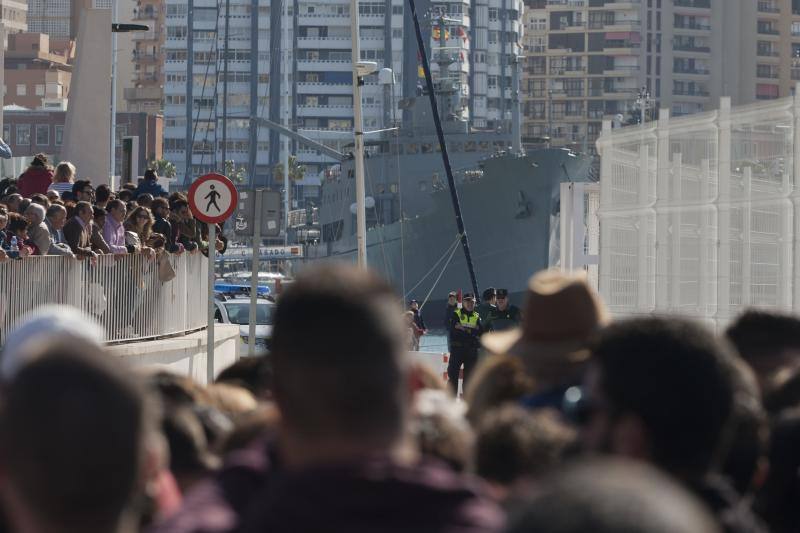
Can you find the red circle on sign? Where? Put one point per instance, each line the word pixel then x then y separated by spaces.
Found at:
pixel 193 203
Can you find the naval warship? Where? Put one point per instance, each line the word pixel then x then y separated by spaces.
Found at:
pixel 509 198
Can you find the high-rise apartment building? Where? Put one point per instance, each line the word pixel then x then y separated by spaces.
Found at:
pixel 147 92
pixel 586 59
pixel 59 18
pixel 53 17
pixel 38 71
pixel 291 62
pixel 14 17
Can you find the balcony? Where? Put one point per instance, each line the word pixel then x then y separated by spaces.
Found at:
pixel 146 14
pixel 141 77
pixel 146 57
pixel 620 47
pixel 694 27
pixel 320 87
pixel 686 47
pixel 691 71
pixel 573 71
pixel 620 71
pixel 768 7
pixel 696 4
pixel 313 65
pixel 696 93
pixel 324 19
pixel 764 29
pixel 143 93
pixel 325 42
pixel 334 111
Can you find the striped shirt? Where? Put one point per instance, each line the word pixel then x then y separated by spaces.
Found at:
pixel 61 187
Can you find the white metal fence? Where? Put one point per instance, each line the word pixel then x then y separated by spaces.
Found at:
pixel 700 215
pixel 124 293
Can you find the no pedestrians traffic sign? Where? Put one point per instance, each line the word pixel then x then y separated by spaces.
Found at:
pixel 212 198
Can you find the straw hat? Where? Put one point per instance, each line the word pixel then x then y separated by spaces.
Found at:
pixel 561 314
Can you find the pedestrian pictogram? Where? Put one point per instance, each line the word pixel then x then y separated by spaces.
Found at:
pixel 212 198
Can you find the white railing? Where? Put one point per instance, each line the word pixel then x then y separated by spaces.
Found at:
pixel 124 294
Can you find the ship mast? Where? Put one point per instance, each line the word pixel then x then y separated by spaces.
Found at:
pixel 360 69
pixel 443 146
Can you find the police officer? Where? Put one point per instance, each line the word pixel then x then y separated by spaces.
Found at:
pixel 465 333
pixel 506 315
pixel 487 307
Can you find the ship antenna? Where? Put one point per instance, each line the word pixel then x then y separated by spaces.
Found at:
pixel 443 146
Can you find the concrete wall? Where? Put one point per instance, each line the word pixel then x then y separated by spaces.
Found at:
pixel 125 47
pixel 184 355
pixel 86 132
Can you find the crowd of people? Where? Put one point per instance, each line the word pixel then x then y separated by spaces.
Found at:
pixel 570 423
pixel 48 211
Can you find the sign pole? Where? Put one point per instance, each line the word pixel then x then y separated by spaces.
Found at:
pixel 212 253
pixel 212 199
pixel 251 328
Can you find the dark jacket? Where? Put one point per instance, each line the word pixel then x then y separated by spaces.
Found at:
pixel 418 320
pixel 99 244
pixel 503 320
pixel 78 237
pixel 204 236
pixel 448 316
pixel 163 227
pixel 184 232
pixel 253 494
pixel 732 512
pixel 34 180
pixel 149 187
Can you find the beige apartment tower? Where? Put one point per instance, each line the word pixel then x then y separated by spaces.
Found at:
pixel 588 59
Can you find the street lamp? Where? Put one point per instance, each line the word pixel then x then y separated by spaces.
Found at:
pixel 643 101
pixel 115 29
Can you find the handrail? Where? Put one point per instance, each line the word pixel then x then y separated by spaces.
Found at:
pixel 124 293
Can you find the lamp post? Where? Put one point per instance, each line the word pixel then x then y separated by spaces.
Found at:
pixel 643 101
pixel 115 29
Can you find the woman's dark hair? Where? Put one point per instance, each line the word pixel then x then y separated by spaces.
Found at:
pixel 39 160
pixel 17 222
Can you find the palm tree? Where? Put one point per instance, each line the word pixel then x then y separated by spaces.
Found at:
pixel 236 174
pixel 296 170
pixel 163 168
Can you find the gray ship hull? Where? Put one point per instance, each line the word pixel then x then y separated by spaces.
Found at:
pixel 507 214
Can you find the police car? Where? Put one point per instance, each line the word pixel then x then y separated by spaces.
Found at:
pixel 235 309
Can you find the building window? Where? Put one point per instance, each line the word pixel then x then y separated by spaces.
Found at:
pixel 21 89
pixel 7 133
pixel 59 135
pixel 39 89
pixel 23 134
pixel 42 135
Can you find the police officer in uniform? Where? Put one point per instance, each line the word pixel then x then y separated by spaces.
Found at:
pixel 465 332
pixel 506 315
pixel 487 307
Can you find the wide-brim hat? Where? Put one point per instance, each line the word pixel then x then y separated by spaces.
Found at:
pixel 562 313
